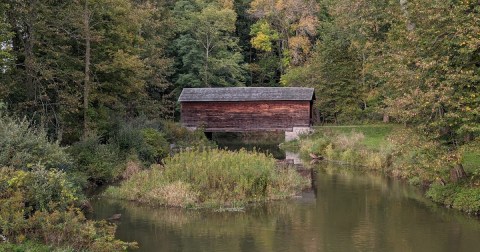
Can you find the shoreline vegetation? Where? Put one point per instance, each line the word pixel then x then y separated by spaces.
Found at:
pixel 450 176
pixel 43 184
pixel 211 178
pixel 41 199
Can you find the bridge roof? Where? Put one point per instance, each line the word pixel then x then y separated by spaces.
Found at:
pixel 247 94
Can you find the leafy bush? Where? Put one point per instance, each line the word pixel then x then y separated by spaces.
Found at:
pixel 31 246
pixel 211 178
pixel 128 137
pixel 458 196
pixel 22 146
pixel 38 205
pixel 149 144
pixel 100 162
pixel 417 156
pixel 444 194
pixel 182 137
pixel 155 146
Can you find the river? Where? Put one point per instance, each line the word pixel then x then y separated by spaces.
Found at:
pixel 347 210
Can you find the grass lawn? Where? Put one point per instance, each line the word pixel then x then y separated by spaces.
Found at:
pixel 375 134
pixel 471 161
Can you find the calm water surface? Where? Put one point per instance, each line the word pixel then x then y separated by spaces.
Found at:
pixel 347 211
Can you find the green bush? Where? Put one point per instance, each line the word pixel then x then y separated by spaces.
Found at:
pixel 155 146
pixel 22 146
pixel 458 196
pixel 100 162
pixel 444 194
pixel 183 138
pixel 417 156
pixel 128 137
pixel 38 205
pixel 468 200
pixel 31 246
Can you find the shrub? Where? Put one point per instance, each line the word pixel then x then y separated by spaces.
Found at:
pixel 37 205
pixel 468 200
pixel 31 246
pixel 155 146
pixel 128 137
pixel 100 162
pixel 458 196
pixel 442 194
pixel 41 189
pixel 182 137
pixel 23 146
pixel 417 156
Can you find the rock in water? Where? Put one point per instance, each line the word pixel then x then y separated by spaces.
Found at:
pixel 115 217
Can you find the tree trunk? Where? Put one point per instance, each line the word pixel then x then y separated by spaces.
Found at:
pixel 457 173
pixel 86 84
pixel 207 55
pixel 28 40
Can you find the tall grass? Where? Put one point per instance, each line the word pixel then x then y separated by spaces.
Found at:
pixel 345 146
pixel 211 178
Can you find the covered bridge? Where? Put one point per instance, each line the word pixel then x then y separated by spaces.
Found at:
pixel 240 109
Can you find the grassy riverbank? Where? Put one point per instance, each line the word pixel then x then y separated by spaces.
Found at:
pixel 403 153
pixel 211 178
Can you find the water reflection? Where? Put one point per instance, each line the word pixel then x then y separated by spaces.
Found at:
pixel 263 142
pixel 351 212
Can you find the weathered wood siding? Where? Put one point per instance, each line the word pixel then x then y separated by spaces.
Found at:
pixel 246 115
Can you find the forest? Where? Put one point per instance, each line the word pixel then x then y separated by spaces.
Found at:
pixel 89 89
pixel 101 61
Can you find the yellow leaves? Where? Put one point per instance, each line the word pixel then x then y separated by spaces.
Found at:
pixel 226 4
pixel 300 48
pixel 18 179
pixel 308 25
pixel 262 42
pixel 294 20
pixel 263 36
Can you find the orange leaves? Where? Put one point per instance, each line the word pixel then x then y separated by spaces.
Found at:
pixel 300 48
pixel 294 22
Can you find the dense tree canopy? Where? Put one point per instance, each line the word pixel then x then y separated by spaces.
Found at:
pixel 77 66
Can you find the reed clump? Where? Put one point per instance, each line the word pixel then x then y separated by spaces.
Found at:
pixel 211 178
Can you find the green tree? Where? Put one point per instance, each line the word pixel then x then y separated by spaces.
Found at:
pixel 340 67
pixel 5 38
pixel 207 49
pixel 289 26
pixel 87 61
pixel 431 68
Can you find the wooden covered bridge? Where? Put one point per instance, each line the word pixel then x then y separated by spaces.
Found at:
pixel 241 109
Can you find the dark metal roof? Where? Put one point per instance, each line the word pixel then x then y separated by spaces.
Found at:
pixel 247 94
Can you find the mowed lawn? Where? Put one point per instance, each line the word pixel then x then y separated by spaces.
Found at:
pixel 375 134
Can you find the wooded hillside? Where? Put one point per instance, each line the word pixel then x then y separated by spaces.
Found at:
pixel 77 66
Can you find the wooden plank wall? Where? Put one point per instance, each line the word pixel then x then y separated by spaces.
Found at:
pixel 244 116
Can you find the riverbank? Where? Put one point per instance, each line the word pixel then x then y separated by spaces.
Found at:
pixel 451 176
